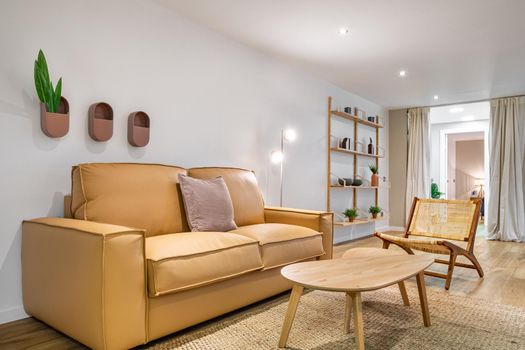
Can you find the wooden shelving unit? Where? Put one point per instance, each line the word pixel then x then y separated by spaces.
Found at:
pixel 356 120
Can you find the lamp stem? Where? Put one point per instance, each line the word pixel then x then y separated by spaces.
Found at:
pixel 281 175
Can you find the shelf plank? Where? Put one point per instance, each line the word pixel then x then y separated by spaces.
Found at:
pixel 356 119
pixel 359 221
pixel 342 150
pixel 351 187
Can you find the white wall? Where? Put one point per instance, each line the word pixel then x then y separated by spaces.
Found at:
pixel 211 101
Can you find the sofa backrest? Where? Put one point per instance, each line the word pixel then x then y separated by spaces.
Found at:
pixel 145 196
pixel 248 204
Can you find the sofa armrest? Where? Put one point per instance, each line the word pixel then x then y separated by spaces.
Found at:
pixel 86 279
pixel 316 220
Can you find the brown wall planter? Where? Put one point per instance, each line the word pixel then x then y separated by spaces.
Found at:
pixel 55 124
pixel 138 129
pixel 100 121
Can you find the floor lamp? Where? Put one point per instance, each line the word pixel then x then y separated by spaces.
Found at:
pixel 277 157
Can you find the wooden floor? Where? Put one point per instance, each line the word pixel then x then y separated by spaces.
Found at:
pixel 504 282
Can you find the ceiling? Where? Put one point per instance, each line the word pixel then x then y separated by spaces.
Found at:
pixel 460 113
pixel 460 50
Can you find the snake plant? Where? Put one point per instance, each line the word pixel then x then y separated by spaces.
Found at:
pixel 44 87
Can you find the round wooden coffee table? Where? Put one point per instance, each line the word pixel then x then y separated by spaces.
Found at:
pixel 360 270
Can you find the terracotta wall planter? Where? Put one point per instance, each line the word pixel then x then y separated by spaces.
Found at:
pixel 100 121
pixel 55 124
pixel 138 129
pixel 374 181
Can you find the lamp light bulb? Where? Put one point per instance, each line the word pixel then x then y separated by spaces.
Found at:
pixel 277 157
pixel 290 135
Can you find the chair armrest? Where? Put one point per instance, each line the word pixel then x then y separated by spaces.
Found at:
pixel 86 279
pixel 316 220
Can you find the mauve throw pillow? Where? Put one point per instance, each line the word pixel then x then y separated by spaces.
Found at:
pixel 208 204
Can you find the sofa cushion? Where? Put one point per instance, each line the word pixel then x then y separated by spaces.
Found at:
pixel 283 244
pixel 248 204
pixel 182 261
pixel 144 196
pixel 208 204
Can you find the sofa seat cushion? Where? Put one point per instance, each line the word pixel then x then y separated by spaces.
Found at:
pixel 283 244
pixel 181 261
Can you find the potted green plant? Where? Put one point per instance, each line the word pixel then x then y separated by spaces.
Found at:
pixel 374 180
pixel 434 191
pixel 351 214
pixel 54 109
pixel 374 210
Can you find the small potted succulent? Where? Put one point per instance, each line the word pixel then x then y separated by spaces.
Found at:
pixel 374 210
pixel 54 109
pixel 374 180
pixel 351 214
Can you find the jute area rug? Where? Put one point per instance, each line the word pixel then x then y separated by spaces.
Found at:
pixel 457 323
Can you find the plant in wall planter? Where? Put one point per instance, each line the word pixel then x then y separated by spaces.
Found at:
pixel 374 210
pixel 54 109
pixel 351 214
pixel 374 180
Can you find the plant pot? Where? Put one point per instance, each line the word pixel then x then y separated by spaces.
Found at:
pixel 100 121
pixel 351 219
pixel 55 124
pixel 374 215
pixel 374 181
pixel 138 129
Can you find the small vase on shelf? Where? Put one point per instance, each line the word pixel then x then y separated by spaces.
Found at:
pixel 370 147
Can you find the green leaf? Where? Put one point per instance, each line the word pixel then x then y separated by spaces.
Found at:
pixel 38 84
pixel 45 87
pixel 43 64
pixel 58 92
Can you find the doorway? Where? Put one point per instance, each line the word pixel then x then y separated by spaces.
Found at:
pixel 459 150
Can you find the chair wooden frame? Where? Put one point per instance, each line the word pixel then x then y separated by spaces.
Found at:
pixel 445 247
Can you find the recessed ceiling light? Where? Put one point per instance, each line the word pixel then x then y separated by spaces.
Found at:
pixel 343 31
pixel 436 97
pixel 456 110
pixel 402 73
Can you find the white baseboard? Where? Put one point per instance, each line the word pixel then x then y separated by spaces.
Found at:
pixel 12 314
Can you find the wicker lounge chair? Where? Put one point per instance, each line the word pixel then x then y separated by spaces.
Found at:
pixel 438 226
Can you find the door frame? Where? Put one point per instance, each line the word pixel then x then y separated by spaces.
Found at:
pixel 443 155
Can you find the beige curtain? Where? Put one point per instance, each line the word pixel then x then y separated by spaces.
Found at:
pixel 418 162
pixel 506 209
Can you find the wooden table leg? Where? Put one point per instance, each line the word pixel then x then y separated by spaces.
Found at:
pixel 420 278
pixel 348 312
pixel 297 291
pixel 358 320
pixel 404 294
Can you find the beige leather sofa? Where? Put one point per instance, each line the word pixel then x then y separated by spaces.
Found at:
pixel 124 268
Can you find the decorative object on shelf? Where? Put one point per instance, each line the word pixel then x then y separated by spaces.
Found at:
pixel 374 180
pixel 277 156
pixel 374 210
pixel 371 119
pixel 371 147
pixel 348 110
pixel 357 181
pixel 346 143
pixel 54 109
pixel 434 191
pixel 346 181
pixel 360 113
pixel 138 129
pixel 100 121
pixel 350 214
